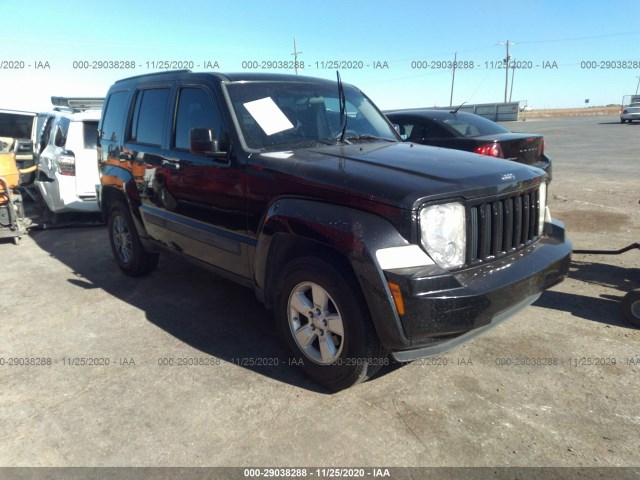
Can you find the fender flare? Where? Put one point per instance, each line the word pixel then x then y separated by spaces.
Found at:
pixel 294 226
pixel 118 184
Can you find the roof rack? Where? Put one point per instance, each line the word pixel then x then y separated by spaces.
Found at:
pixel 77 104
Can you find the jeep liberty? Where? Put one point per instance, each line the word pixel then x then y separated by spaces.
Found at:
pixel 299 188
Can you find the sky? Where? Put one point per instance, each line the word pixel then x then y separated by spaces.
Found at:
pixel 398 53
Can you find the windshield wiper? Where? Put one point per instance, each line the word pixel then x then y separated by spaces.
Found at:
pixel 367 136
pixel 343 108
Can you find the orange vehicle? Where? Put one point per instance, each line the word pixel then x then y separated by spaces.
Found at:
pixel 13 223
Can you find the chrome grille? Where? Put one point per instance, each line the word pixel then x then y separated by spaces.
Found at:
pixel 502 226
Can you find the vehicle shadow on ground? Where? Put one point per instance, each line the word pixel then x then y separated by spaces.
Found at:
pixel 602 309
pixel 199 308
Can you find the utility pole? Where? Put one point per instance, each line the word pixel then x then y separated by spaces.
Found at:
pixel 453 77
pixel 295 55
pixel 506 68
pixel 513 74
pixel 637 85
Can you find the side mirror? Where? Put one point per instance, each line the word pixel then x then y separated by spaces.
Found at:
pixel 202 141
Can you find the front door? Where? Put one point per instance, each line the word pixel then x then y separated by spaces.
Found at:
pixel 201 199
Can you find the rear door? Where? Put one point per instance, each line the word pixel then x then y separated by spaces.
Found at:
pixel 144 150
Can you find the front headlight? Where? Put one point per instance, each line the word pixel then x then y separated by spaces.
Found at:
pixel 542 206
pixel 443 233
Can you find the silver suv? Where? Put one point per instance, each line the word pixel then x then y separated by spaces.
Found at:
pixel 67 169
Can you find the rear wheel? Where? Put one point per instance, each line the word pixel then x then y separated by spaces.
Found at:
pixel 631 307
pixel 46 215
pixel 323 319
pixel 130 254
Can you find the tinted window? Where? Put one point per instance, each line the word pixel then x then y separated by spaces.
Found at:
pixel 195 109
pixel 148 116
pixel 113 116
pixel 472 125
pixel 62 129
pixel 420 130
pixel 90 133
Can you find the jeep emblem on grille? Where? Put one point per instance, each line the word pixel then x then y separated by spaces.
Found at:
pixel 507 176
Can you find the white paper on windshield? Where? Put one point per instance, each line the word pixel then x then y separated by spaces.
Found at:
pixel 268 115
pixel 279 155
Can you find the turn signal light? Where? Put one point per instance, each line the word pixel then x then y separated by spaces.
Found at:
pixel 396 293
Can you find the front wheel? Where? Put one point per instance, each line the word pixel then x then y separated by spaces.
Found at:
pixel 323 319
pixel 130 254
pixel 631 307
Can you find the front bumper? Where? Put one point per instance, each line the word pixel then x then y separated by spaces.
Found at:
pixel 442 311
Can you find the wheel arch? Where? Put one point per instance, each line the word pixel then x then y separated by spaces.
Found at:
pixel 119 185
pixel 347 237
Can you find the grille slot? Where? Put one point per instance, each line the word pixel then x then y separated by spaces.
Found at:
pixel 503 226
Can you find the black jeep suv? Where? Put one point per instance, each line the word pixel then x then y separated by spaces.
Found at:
pixel 300 189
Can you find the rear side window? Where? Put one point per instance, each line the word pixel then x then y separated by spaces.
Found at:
pixel 419 130
pixel 148 116
pixel 62 130
pixel 113 116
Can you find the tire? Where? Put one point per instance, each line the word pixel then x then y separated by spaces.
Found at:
pixel 46 215
pixel 126 247
pixel 322 317
pixel 631 307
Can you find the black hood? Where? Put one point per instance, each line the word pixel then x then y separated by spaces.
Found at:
pixel 400 174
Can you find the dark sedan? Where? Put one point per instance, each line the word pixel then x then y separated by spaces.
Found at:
pixel 470 132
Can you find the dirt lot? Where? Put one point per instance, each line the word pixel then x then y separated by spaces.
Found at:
pixel 557 385
pixel 569 112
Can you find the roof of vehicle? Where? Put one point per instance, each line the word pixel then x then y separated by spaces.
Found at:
pixel 431 112
pixel 228 77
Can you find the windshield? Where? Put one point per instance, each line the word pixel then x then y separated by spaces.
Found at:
pixel 286 115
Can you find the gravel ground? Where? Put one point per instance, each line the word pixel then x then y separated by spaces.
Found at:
pixel 557 385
